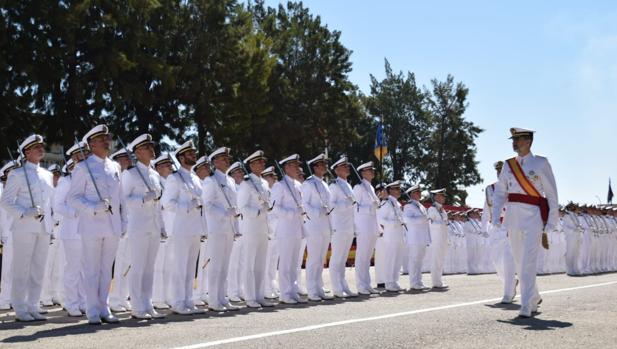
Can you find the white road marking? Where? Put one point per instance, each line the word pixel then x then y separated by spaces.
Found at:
pixel 372 318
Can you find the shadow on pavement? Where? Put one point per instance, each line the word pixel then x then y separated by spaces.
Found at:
pixel 511 306
pixel 537 324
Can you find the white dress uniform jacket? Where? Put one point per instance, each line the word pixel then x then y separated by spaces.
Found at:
pixel 30 236
pixel 316 200
pixel 145 224
pixel 254 204
pixel 287 199
pixel 524 222
pixel 74 293
pixel 182 196
pixel 222 225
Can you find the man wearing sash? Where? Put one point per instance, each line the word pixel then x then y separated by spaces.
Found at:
pixel 527 188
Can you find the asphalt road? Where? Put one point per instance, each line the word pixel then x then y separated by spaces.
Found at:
pixel 576 312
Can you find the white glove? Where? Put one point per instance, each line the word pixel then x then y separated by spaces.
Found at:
pixel 232 212
pixel 99 207
pixel 149 196
pixel 195 203
pixel 32 212
pixel 323 211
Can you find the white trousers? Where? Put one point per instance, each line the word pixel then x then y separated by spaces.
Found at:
pixel 255 246
pixel 501 254
pixel 98 256
pixel 473 261
pixel 439 249
pixel 525 248
pixel 161 279
pixel 303 245
pixel 119 295
pixel 219 251
pixel 201 292
pixel 54 270
pixel 73 280
pixel 393 260
pixel 272 262
pixel 288 247
pixel 6 278
pixel 341 244
pixel 185 250
pixel 380 261
pixel 317 247
pixel 416 255
pixel 365 245
pixel 143 251
pixel 234 276
pixel 29 257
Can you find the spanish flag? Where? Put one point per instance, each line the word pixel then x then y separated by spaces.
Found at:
pixel 381 148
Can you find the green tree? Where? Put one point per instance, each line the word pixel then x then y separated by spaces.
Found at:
pixel 451 148
pixel 401 104
pixel 314 105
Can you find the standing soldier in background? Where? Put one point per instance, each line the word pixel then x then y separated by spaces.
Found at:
pixel 142 191
pixel 162 265
pixel 6 243
pixel 390 216
pixel 418 235
pixel 287 196
pixel 367 228
pixel 272 259
pixel 235 289
pixel 527 188
pixel 316 199
pixel 380 249
pixel 119 294
pixel 53 292
pixel 182 196
pixel 27 199
pixel 73 281
pixel 342 202
pixel 200 293
pixel 254 205
pixel 96 195
pixel 438 219
pixel 501 252
pixel 222 216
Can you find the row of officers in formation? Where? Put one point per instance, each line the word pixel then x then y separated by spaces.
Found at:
pixel 242 231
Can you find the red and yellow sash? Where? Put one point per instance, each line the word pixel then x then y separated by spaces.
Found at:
pixel 522 180
pixel 533 196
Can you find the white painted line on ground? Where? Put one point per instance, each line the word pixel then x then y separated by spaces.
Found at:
pixel 372 318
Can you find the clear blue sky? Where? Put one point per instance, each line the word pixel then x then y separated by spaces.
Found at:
pixel 545 65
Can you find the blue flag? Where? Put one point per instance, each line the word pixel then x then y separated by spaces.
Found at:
pixel 381 148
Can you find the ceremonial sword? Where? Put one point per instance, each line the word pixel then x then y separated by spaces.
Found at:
pixel 96 187
pixel 39 215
